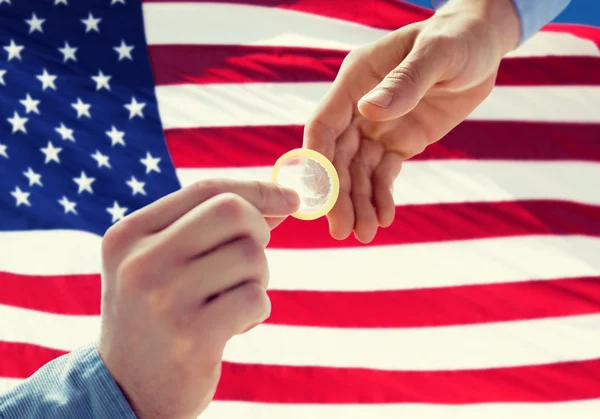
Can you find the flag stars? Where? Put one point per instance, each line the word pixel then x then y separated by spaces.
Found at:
pixel 35 24
pixel 68 52
pixel 112 2
pixel 14 50
pixel 47 80
pixel 101 159
pixel 2 73
pixel 135 108
pixel 151 163
pixel 51 153
pixel 84 183
pixel 33 177
pixel 117 212
pixel 65 133
pixel 31 105
pixel 57 2
pixel 3 152
pixel 5 1
pixel 91 23
pixel 83 109
pixel 68 206
pixel 21 197
pixel 136 186
pixel 18 123
pixel 116 136
pixel 101 80
pixel 124 50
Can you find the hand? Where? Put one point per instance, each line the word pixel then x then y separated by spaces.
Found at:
pixel 393 98
pixel 180 277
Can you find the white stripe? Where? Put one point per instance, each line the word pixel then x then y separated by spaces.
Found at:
pixel 256 104
pixel 368 268
pixel 456 181
pixel 242 410
pixel 206 23
pixel 508 344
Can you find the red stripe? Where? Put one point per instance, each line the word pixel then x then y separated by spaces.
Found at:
pixel 285 384
pixel 383 14
pixel 447 306
pixel 203 64
pixel 479 140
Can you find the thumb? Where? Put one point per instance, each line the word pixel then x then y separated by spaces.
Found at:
pixel 402 89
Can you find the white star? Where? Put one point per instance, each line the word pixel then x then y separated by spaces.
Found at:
pixel 91 23
pixel 2 73
pixel 116 136
pixel 135 108
pixel 56 2
pixel 151 163
pixel 34 178
pixel 84 182
pixel 47 80
pixel 117 212
pixel 68 52
pixel 14 50
pixel 35 24
pixel 69 206
pixel 51 153
pixel 124 50
pixel 21 196
pixel 136 186
pixel 7 1
pixel 101 80
pixel 18 123
pixel 83 109
pixel 101 159
pixel 65 133
pixel 117 1
pixel 3 149
pixel 31 105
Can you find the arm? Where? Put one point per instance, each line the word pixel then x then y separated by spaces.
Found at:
pixel 533 14
pixel 76 385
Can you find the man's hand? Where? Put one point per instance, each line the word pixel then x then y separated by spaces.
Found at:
pixel 180 278
pixel 395 97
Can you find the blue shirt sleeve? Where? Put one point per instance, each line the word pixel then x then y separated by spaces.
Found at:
pixel 76 385
pixel 534 14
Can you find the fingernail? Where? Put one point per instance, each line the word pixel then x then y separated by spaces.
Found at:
pixel 291 197
pixel 378 97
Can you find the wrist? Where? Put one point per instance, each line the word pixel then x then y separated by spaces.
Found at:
pixel 499 17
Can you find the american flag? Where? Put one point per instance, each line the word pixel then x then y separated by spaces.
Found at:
pixel 482 300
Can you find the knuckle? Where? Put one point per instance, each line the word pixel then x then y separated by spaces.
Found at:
pixel 252 252
pixel 254 297
pixel 134 271
pixel 117 236
pixel 405 74
pixel 230 206
pixel 353 56
pixel 209 187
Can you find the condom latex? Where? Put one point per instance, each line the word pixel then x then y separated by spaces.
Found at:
pixel 314 179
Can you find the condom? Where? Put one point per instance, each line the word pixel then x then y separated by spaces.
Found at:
pixel 314 179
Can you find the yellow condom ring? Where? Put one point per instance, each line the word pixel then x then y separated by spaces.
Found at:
pixel 334 181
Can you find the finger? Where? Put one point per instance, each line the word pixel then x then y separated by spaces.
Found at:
pixel 362 168
pixel 341 216
pixel 234 312
pixel 383 187
pixel 222 269
pixel 219 220
pixel 402 89
pixel 269 198
pixel 333 114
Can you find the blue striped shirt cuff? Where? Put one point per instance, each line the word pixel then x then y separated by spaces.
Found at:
pixel 533 14
pixel 76 385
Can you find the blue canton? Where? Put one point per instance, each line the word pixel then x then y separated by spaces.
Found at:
pixel 81 141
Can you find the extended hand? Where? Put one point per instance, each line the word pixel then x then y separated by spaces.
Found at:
pixel 395 97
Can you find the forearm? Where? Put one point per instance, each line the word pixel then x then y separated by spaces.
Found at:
pixel 76 385
pixel 531 16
